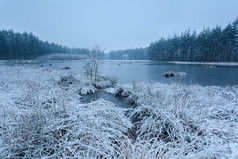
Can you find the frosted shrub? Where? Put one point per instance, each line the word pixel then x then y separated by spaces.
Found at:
pixel 41 116
pixel 40 119
pixel 177 121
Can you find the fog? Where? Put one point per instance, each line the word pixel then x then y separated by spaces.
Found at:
pixel 113 24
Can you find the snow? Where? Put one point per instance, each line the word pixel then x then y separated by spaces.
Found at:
pixel 126 61
pixel 186 121
pixel 181 73
pixel 205 63
pixel 41 116
pixel 110 90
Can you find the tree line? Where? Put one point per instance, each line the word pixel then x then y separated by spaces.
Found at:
pixel 209 45
pixel 128 54
pixel 28 46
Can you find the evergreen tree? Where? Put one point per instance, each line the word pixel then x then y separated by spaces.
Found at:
pixel 27 46
pixel 209 45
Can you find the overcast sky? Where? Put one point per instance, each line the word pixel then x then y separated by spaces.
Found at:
pixel 113 24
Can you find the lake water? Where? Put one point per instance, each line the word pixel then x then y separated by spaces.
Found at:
pixel 126 72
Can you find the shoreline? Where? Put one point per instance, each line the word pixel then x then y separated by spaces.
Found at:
pixel 204 63
pixel 130 61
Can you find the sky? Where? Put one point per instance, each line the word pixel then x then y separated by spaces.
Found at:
pixel 113 24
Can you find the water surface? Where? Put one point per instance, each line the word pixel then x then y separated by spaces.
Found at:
pixel 126 72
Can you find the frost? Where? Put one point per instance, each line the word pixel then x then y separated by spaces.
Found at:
pixel 186 120
pixel 87 90
pixel 42 116
pixel 110 90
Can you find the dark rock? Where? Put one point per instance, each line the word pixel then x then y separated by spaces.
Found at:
pixel 119 92
pixel 65 67
pixel 172 74
pixel 169 74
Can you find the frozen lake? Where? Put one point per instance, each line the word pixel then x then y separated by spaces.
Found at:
pixel 126 72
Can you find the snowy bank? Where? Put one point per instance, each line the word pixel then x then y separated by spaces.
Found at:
pixel 42 116
pixel 204 63
pixel 184 121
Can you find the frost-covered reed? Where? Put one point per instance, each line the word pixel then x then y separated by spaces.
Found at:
pixel 41 116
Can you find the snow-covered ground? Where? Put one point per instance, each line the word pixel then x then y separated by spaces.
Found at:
pixel 186 121
pixel 205 63
pixel 41 116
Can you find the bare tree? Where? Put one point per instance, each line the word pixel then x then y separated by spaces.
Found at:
pixel 92 65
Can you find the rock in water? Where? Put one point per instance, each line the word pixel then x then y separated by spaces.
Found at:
pixel 65 67
pixel 173 74
pixel 169 74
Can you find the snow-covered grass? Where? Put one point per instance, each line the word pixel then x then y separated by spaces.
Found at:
pixel 41 116
pixel 185 121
